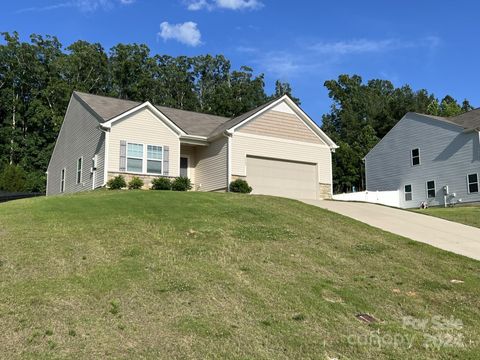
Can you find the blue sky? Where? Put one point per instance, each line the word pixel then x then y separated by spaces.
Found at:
pixel 427 44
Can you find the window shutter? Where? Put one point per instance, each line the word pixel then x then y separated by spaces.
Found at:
pixel 123 156
pixel 166 160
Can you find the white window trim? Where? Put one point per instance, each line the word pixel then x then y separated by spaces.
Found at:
pixel 419 157
pixel 476 182
pixel 147 159
pixel 63 177
pixel 434 188
pixel 79 181
pixel 405 192
pixel 144 159
pixel 135 157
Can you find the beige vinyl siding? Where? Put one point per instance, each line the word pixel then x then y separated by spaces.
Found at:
pixel 244 145
pixel 211 167
pixel 78 137
pixel 143 127
pixel 281 125
pixel 190 151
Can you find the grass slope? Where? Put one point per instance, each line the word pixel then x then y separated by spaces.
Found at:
pixel 196 275
pixel 468 215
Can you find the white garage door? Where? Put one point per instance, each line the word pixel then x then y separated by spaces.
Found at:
pixel 282 178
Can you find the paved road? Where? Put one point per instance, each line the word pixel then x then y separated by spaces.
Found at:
pixel 443 234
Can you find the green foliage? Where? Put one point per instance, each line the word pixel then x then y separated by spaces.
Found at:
pixel 363 113
pixel 135 184
pixel 161 183
pixel 448 107
pixel 181 184
pixel 13 178
pixel 117 183
pixel 240 186
pixel 35 182
pixel 284 88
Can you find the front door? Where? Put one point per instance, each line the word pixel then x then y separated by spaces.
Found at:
pixel 183 166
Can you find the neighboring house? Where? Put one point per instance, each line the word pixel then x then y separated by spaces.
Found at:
pixel 276 147
pixel 428 158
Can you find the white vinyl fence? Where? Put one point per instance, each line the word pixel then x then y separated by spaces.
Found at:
pixel 389 198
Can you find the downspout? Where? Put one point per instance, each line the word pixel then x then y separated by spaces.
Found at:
pixel 332 151
pixel 46 187
pixel 106 131
pixel 228 135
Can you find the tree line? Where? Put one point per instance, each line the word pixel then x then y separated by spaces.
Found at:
pixel 37 78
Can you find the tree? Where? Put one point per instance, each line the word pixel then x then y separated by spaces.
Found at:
pixel 131 72
pixel 12 178
pixel 284 88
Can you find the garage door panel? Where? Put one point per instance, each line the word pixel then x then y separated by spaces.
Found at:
pixel 282 178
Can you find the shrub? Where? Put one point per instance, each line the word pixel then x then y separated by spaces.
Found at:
pixel 135 184
pixel 181 184
pixel 35 182
pixel 13 178
pixel 117 183
pixel 161 184
pixel 240 186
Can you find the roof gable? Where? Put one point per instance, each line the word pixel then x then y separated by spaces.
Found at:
pixel 281 122
pixel 410 118
pixel 245 118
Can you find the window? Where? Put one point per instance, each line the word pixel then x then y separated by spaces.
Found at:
pixel 79 170
pixel 135 157
pixel 154 159
pixel 415 157
pixel 62 181
pixel 408 192
pixel 472 181
pixel 431 189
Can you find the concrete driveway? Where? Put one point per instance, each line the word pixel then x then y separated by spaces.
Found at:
pixel 447 235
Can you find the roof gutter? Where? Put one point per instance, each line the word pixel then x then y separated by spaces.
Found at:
pixel 194 140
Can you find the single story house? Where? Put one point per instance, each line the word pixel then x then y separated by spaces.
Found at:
pixel 428 159
pixel 276 147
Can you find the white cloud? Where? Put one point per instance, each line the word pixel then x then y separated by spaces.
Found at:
pixel 246 49
pixel 352 47
pixel 327 57
pixel 361 46
pixel 187 33
pixel 82 5
pixel 195 5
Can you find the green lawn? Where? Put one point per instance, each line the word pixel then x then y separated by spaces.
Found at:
pixel 468 215
pixel 147 274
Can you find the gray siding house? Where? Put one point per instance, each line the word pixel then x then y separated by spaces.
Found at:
pixel 276 147
pixel 428 158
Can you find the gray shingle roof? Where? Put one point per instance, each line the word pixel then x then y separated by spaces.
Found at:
pixel 192 123
pixel 469 120
pixel 106 107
